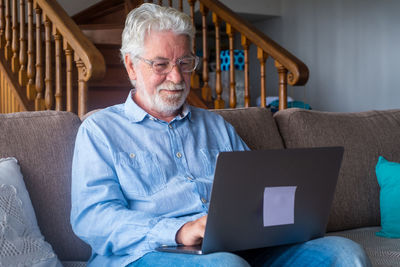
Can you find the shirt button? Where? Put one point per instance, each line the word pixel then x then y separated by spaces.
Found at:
pixel 170 126
pixel 132 155
pixel 190 178
pixel 178 154
pixel 203 200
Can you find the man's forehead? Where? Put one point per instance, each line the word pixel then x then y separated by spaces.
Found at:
pixel 164 44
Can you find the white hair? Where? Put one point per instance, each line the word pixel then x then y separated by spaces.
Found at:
pixel 151 17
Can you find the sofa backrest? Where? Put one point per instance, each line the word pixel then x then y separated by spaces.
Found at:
pixel 255 126
pixel 365 136
pixel 43 144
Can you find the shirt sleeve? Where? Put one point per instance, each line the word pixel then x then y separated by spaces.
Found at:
pixel 100 213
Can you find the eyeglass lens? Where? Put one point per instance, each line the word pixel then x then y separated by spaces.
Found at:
pixel 165 66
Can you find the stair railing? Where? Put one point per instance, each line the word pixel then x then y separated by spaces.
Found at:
pixel 290 69
pixel 39 44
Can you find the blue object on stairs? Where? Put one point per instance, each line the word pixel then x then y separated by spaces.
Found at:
pixel 226 59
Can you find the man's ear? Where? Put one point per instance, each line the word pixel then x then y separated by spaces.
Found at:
pixel 130 67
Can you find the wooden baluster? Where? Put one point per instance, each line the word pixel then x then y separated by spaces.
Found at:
pixel 18 107
pixel 219 103
pixel 30 87
pixel 82 88
pixel 22 78
pixel 39 101
pixel 49 97
pixel 1 93
pixel 194 79
pixel 7 93
pixel 262 57
pixel 68 66
pixel 4 84
pixel 4 95
pixel 282 72
pixel 9 106
pixel 170 3
pixel 14 42
pixel 232 92
pixel 246 45
pixel 2 24
pixel 206 90
pixel 14 103
pixel 181 5
pixel 160 2
pixel 58 69
pixel 12 100
pixel 192 3
pixel 7 49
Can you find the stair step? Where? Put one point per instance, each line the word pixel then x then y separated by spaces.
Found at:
pixel 111 53
pixel 115 77
pixel 103 33
pixel 105 97
pixel 103 12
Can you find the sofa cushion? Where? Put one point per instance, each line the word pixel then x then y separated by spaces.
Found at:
pixel 381 251
pixel 388 174
pixel 43 143
pixel 255 126
pixel 364 136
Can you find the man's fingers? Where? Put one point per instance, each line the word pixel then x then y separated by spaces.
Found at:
pixel 202 225
pixel 192 233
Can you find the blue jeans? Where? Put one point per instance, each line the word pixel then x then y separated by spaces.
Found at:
pixel 326 251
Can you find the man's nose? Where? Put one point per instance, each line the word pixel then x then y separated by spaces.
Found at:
pixel 175 75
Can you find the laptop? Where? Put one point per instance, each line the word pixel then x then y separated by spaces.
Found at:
pixel 268 198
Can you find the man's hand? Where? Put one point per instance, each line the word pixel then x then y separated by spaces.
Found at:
pixel 192 233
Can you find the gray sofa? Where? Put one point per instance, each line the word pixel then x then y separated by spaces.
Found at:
pixel 43 143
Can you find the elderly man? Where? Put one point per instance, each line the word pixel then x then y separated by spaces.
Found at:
pixel 143 170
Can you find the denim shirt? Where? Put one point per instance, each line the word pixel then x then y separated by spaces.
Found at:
pixel 136 179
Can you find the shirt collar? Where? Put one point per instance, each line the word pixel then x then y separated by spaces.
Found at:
pixel 137 114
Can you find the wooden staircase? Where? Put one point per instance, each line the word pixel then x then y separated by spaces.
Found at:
pixel 48 62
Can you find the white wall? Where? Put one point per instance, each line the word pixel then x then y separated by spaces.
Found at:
pixel 351 48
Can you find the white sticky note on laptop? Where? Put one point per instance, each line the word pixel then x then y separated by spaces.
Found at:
pixel 278 205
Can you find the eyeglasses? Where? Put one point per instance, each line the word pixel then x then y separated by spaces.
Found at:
pixel 165 66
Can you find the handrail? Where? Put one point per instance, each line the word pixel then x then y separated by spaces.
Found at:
pixel 298 70
pixel 48 54
pixel 84 49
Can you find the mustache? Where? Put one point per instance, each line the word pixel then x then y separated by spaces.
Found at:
pixel 170 86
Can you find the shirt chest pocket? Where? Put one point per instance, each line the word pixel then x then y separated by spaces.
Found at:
pixel 209 159
pixel 139 173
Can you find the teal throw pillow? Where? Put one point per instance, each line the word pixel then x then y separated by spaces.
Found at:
pixel 388 174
